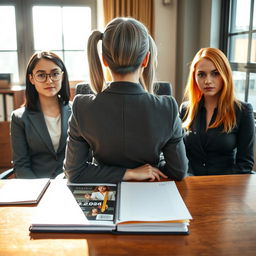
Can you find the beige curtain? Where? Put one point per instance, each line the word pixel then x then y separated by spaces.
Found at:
pixel 142 10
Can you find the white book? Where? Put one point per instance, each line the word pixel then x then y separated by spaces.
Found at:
pixel 23 191
pixel 129 207
pixel 2 115
pixel 9 106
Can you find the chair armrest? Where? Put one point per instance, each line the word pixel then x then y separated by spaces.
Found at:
pixel 7 174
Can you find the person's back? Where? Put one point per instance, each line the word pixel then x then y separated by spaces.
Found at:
pixel 125 126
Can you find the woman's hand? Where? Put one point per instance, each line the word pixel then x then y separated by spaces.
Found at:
pixel 144 172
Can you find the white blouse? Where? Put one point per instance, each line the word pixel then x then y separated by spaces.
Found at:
pixel 54 128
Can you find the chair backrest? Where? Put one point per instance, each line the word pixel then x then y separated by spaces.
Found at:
pixel 160 88
pixel 254 166
pixel 163 88
pixel 7 174
pixel 83 88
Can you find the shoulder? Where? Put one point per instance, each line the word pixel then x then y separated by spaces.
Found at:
pixel 82 101
pixel 164 100
pixel 245 108
pixel 166 104
pixel 19 117
pixel 183 108
pixel 244 114
pixel 19 113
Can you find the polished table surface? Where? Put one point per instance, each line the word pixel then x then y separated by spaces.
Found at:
pixel 224 223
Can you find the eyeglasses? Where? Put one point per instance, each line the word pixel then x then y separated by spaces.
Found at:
pixel 41 77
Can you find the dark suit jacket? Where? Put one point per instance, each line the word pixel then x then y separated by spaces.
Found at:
pixel 125 127
pixel 160 88
pixel 33 152
pixel 214 152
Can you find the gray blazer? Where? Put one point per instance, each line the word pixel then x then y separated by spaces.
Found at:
pixel 33 152
pixel 125 127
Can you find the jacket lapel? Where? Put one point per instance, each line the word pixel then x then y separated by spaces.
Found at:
pixel 65 113
pixel 37 120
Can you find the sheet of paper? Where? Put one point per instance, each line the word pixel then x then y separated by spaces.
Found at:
pixel 58 206
pixel 151 201
pixel 21 191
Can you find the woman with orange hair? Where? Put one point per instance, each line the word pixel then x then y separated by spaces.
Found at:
pixel 219 128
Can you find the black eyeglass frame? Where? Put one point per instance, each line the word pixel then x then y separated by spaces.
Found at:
pixel 50 76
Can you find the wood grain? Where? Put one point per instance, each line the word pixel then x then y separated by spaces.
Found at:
pixel 224 223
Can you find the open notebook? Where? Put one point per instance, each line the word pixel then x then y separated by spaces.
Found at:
pixel 133 207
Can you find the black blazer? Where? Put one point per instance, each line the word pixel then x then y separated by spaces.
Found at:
pixel 215 152
pixel 33 152
pixel 125 127
pixel 160 88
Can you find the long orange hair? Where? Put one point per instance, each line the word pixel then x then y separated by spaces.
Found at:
pixel 226 105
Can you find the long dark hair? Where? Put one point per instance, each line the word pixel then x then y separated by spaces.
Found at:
pixel 32 94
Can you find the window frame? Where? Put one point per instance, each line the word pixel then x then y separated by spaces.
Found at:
pixel 24 25
pixel 225 35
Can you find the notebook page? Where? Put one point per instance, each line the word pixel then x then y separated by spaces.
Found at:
pixel 151 201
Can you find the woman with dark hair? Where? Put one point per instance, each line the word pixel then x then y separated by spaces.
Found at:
pixel 125 125
pixel 39 129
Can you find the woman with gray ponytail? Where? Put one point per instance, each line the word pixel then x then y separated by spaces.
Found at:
pixel 133 134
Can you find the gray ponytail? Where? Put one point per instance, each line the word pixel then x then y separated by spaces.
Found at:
pixel 148 76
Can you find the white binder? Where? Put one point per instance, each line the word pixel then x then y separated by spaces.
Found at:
pixel 2 115
pixel 9 106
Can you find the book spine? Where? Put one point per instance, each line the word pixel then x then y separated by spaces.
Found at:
pixel 9 106
pixel 2 114
pixel 118 198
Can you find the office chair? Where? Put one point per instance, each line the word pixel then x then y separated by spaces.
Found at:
pixel 254 166
pixel 160 88
pixel 8 174
pixel 163 88
pixel 83 88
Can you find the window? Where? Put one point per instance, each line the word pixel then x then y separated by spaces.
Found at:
pixel 60 26
pixel 8 42
pixel 241 46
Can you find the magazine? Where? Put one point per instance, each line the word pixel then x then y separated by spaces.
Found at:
pixel 98 202
pixel 128 207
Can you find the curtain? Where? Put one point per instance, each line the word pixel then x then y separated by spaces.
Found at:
pixel 142 10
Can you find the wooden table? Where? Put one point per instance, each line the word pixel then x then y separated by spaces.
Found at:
pixel 224 223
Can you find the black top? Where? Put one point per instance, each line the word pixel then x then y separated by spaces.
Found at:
pixel 214 152
pixel 125 127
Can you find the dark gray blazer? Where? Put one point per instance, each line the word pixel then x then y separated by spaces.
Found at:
pixel 33 152
pixel 125 127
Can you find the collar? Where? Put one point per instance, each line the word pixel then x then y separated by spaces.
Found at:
pixel 125 88
pixel 201 104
